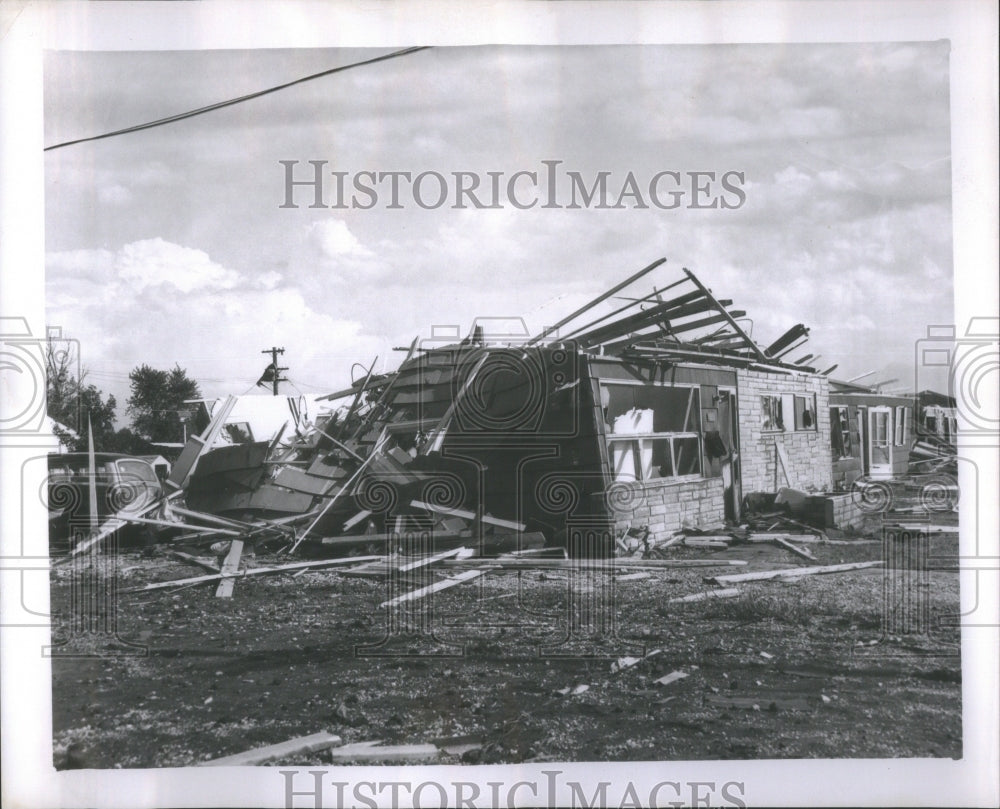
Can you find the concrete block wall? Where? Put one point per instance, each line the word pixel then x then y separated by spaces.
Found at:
pixel 667 505
pixel 809 456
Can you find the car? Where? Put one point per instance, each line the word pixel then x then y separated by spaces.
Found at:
pixel 122 483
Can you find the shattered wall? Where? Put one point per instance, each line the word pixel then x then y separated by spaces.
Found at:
pixel 806 448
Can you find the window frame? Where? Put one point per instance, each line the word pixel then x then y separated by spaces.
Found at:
pixel 773 397
pixel 642 441
pixel 841 427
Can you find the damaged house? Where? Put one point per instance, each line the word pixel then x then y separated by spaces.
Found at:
pixel 656 420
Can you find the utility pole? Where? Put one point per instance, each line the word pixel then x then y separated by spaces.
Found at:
pixel 276 371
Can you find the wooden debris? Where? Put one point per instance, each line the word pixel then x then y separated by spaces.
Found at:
pixel 196 560
pixel 431 559
pixel 768 536
pixel 371 751
pixel 438 586
pixel 469 515
pixel 570 691
pixel 590 564
pixel 673 677
pixel 784 543
pixel 790 573
pixel 623 663
pixel 705 542
pixel 729 593
pixel 259 571
pixel 633 576
pixel 229 567
pixel 261 755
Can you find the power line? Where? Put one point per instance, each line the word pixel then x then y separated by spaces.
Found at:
pixel 221 104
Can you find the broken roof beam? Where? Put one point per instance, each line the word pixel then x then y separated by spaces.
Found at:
pixel 729 316
pixel 622 323
pixel 679 328
pixel 655 294
pixel 600 298
pixel 695 304
pixel 796 332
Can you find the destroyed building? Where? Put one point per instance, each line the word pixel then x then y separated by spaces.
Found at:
pixel 655 420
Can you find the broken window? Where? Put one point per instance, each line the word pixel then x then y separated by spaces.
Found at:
pixel 770 408
pixel 805 412
pixel 840 432
pixel 653 430
pixel 902 425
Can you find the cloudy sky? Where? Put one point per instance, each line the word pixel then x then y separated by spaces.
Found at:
pixel 170 246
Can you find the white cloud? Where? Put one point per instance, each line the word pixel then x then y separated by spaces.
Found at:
pixel 155 262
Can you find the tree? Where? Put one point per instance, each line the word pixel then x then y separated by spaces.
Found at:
pixel 156 403
pixel 69 402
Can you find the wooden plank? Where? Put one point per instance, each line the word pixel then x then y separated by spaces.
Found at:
pixel 213 519
pixel 590 564
pixel 257 571
pixel 371 751
pixel 229 566
pixel 468 515
pixel 790 573
pixel 438 586
pixel 430 560
pixel 222 532
pixel 784 543
pixel 782 459
pixel 705 542
pixel 356 519
pixel 196 560
pixel 261 755
pixel 299 481
pixel 767 536
pixel 732 592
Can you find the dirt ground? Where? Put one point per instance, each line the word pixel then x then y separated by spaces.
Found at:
pixel 788 669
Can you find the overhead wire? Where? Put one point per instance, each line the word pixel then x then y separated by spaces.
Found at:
pixel 231 102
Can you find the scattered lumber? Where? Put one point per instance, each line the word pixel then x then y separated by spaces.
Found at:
pixel 431 559
pixel 767 536
pixel 673 677
pixel 258 571
pixel 784 543
pixel 623 663
pixel 589 564
pixel 230 565
pixel 790 573
pixel 731 592
pixel 469 515
pixel 261 755
pixel 436 587
pixel 196 560
pixel 371 751
pixel 705 542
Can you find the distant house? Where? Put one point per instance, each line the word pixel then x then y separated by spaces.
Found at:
pixel 871 433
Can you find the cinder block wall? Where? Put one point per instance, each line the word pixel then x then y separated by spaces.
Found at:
pixel 810 460
pixel 666 506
